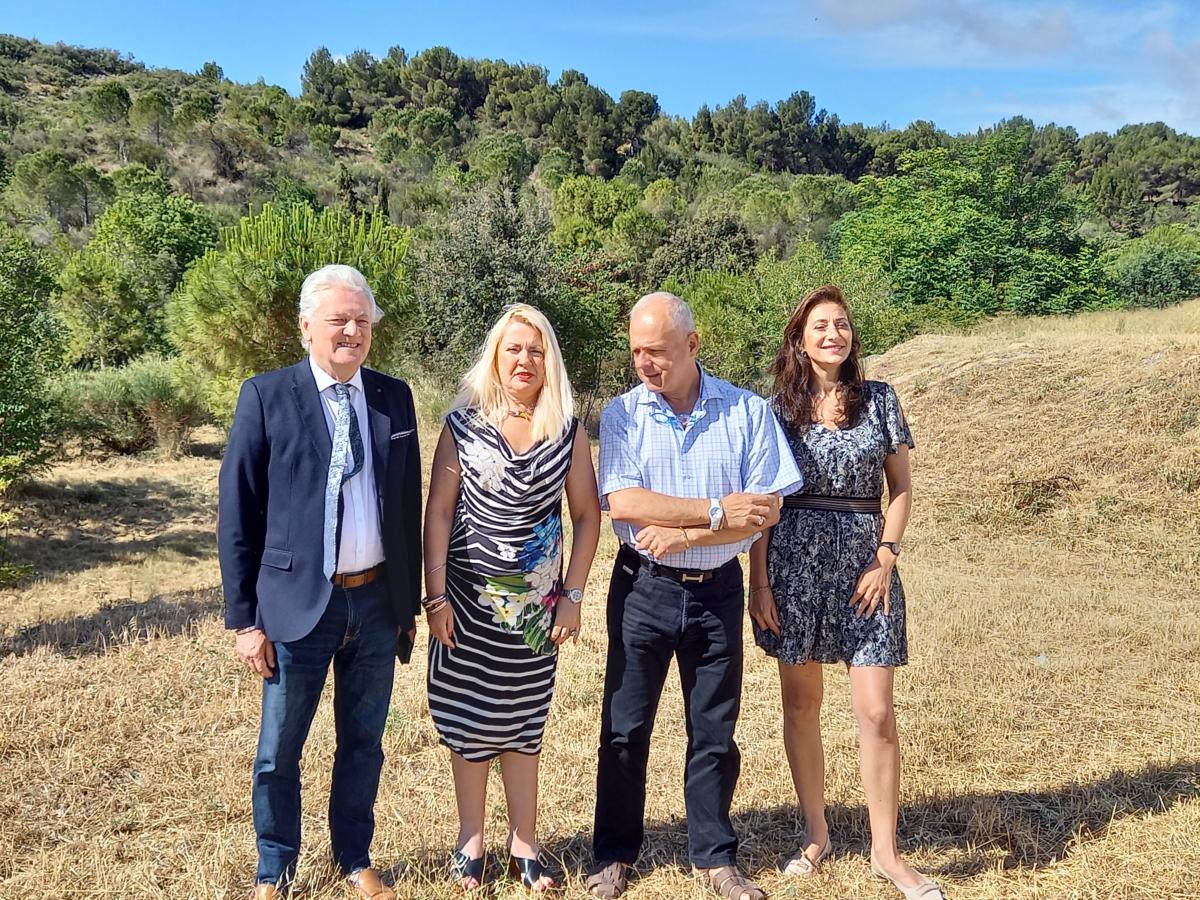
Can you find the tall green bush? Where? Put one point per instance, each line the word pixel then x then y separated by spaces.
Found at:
pixel 236 312
pixel 114 290
pixel 967 228
pixel 30 352
pixel 493 252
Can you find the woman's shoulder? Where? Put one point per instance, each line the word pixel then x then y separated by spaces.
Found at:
pixel 879 391
pixel 465 418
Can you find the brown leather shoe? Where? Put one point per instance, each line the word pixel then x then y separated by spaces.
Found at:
pixel 369 885
pixel 266 891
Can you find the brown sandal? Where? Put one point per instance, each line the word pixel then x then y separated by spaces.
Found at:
pixel 609 881
pixel 729 883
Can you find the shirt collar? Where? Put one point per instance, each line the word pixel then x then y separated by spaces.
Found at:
pixel 661 410
pixel 325 380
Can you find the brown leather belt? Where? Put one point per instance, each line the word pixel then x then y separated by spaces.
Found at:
pixel 349 580
pixel 871 505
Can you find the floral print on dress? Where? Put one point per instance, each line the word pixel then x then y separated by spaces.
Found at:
pixel 485 462
pixel 525 602
pixel 815 557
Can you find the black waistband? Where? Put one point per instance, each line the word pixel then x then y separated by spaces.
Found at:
pixel 833 504
pixel 683 576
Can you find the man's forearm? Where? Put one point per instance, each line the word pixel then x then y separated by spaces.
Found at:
pixel 704 537
pixel 641 507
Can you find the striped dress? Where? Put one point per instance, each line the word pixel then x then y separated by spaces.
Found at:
pixel 491 693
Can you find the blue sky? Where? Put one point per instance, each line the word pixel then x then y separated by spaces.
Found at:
pixel 1094 64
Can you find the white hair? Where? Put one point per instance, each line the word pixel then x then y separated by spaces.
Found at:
pixel 334 275
pixel 678 312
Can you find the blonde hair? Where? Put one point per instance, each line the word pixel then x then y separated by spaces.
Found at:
pixel 480 387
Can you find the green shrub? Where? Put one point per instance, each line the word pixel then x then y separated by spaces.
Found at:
pixel 236 312
pixel 720 241
pixel 1158 269
pixel 30 351
pixel 114 290
pixel 151 403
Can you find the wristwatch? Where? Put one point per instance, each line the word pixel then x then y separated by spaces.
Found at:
pixel 716 514
pixel 891 545
pixel 575 595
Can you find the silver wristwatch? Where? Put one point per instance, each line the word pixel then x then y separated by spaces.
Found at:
pixel 716 514
pixel 575 595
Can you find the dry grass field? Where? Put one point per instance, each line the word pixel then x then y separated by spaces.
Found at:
pixel 1050 716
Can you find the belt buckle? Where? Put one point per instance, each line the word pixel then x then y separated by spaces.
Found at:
pixel 689 578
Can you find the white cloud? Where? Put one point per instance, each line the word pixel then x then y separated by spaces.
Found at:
pixel 1010 29
pixel 1088 63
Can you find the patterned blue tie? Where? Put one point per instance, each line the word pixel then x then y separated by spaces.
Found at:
pixel 345 462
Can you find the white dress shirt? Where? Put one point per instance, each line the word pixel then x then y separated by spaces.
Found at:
pixel 361 544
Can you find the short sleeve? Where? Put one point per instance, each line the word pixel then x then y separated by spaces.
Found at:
pixel 769 466
pixel 895 427
pixel 619 468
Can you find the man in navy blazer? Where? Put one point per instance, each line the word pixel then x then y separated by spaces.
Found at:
pixel 318 534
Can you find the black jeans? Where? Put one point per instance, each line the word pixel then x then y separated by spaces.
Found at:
pixel 651 619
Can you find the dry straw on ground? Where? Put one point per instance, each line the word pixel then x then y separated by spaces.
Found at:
pixel 1050 716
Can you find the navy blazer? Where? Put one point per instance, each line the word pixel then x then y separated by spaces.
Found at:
pixel 271 507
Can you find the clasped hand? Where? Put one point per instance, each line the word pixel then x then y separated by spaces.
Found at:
pixel 742 511
pixel 751 510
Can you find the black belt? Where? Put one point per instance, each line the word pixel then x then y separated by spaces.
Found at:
pixel 833 504
pixel 683 576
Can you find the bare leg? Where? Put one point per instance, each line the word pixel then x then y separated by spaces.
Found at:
pixel 879 760
pixel 470 791
pixel 803 688
pixel 520 774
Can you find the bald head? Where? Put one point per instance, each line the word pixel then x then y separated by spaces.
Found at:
pixel 664 308
pixel 664 343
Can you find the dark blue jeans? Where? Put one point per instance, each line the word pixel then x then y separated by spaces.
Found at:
pixel 650 620
pixel 356 635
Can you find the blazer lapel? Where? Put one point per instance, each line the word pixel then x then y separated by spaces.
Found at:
pixel 381 428
pixel 312 417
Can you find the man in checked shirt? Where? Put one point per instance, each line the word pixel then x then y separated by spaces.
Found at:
pixel 692 470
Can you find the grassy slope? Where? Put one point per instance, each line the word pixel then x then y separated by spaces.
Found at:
pixel 1048 718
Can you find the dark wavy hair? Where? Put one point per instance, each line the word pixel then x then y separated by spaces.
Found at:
pixel 794 379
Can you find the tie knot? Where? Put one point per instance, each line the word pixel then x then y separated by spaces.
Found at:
pixel 341 390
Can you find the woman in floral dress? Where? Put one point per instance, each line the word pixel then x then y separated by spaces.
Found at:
pixel 498 603
pixel 824 586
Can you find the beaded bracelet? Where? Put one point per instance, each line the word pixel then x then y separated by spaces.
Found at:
pixel 433 602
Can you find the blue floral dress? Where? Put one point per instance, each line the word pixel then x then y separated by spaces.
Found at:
pixel 815 557
pixel 491 693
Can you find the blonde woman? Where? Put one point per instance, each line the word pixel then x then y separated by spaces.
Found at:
pixel 498 603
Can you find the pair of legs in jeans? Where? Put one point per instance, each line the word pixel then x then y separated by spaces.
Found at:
pixel 356 636
pixel 650 620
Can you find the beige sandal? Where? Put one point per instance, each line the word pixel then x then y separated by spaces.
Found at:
pixel 729 883
pixel 801 865
pixel 928 890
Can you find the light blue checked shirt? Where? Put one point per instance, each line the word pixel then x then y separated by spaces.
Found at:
pixel 731 442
